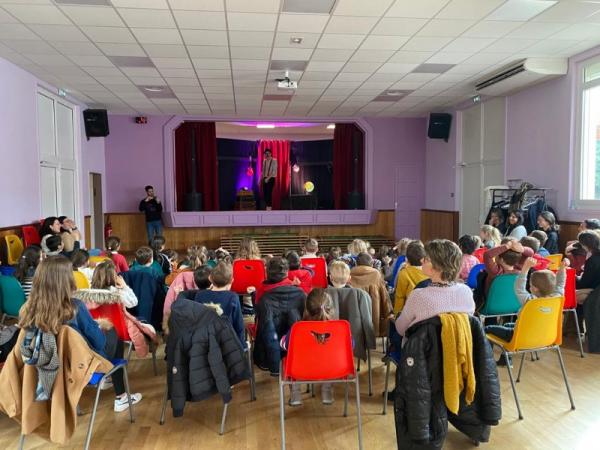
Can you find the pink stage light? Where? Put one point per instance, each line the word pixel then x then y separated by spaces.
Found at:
pixel 296 168
pixel 250 171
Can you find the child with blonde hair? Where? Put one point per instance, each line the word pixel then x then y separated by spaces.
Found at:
pixel 490 236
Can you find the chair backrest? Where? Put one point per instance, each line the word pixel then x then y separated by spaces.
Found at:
pixel 14 248
pixel 114 313
pixel 319 351
pixel 319 270
pixel 81 280
pixel 12 296
pixel 501 298
pixel 472 278
pixel 247 273
pixel 554 261
pixel 570 282
pixel 97 260
pixel 479 253
pixel 539 324
pixel 30 235
pixel 397 264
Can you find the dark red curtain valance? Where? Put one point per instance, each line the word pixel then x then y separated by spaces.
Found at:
pixel 206 163
pixel 348 146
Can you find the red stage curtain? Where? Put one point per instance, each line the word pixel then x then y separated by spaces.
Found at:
pixel 345 137
pixel 281 152
pixel 206 163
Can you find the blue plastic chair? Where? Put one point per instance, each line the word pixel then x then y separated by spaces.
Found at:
pixel 501 299
pixel 473 273
pixel 397 264
pixel 12 297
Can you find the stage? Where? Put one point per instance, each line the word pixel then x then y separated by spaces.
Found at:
pixel 268 218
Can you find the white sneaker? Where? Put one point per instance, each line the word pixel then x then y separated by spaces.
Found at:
pixel 108 384
pixel 296 395
pixel 121 403
pixel 327 394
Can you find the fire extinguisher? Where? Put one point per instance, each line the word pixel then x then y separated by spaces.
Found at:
pixel 107 228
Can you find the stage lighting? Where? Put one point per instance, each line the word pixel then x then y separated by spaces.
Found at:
pixel 250 171
pixel 309 186
pixel 296 168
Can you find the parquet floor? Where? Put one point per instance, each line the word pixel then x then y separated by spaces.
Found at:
pixel 549 423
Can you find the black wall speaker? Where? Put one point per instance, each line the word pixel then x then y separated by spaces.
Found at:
pixel 439 126
pixel 96 122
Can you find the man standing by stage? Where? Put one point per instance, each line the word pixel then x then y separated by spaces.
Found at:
pixel 152 207
pixel 269 173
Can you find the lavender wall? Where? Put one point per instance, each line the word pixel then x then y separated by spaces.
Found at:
pixel 134 158
pixel 440 171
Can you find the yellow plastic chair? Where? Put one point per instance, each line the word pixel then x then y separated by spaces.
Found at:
pixel 81 280
pixel 554 261
pixel 94 260
pixel 538 328
pixel 14 248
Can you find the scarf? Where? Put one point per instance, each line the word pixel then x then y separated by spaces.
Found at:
pixel 39 349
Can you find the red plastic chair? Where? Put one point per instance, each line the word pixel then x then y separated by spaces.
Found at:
pixel 30 235
pixel 319 270
pixel 570 305
pixel 479 253
pixel 319 352
pixel 247 273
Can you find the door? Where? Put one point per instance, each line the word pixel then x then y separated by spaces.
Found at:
pixel 407 201
pixel 96 211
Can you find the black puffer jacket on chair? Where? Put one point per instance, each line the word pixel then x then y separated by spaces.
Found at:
pixel 419 407
pixel 204 355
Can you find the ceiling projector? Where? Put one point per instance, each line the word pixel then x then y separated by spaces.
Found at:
pixel 286 83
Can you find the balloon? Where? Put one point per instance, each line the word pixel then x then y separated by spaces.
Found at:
pixel 309 186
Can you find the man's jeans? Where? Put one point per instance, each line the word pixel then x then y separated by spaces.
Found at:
pixel 153 228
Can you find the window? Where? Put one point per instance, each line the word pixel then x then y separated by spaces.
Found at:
pixel 587 175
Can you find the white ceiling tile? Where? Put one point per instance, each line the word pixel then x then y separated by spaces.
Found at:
pixel 326 54
pixel 468 9
pixel 249 64
pixel 116 49
pixel 468 44
pixel 351 76
pixel 520 10
pixel 207 51
pixel 346 24
pixel 363 8
pixel 250 52
pixel 424 9
pixel 77 48
pixel 147 18
pixel 49 60
pixel 141 71
pixel 550 47
pixel 104 71
pixel 204 37
pixel 486 58
pixel 182 81
pixel 371 55
pixel 396 68
pixel 158 35
pixel 319 75
pixel 7 18
pixel 151 4
pixel 425 44
pixel 309 40
pixel 384 42
pixel 491 29
pixel 342 41
pixel 408 85
pixel 199 5
pixel 295 54
pixel 568 11
pixel 213 73
pixel 537 30
pixel 172 63
pixel 410 57
pixel 249 39
pixel 30 46
pixel 579 32
pixel 359 67
pixel 309 23
pixel 40 14
pixel 251 21
pixel 509 45
pixel 444 57
pixel 315 84
pixel 269 6
pixel 398 26
pixel 389 77
pixel 109 34
pixel 324 66
pixel 59 33
pixel 93 15
pixel 411 77
pixel 445 27
pixel 92 60
pixel 16 31
pixel 200 20
pixel 468 69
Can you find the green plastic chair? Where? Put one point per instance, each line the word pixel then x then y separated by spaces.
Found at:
pixel 12 297
pixel 501 299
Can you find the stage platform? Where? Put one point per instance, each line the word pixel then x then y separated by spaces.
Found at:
pixel 269 218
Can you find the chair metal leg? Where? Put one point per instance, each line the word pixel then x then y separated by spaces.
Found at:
pixel 22 442
pixel 223 418
pixel 564 372
pixel 128 392
pixel 252 379
pixel 358 416
pixel 521 365
pixel 346 399
pixel 358 364
pixel 88 437
pixel 312 390
pixel 386 386
pixel 281 412
pixel 308 388
pixel 580 342
pixel 164 406
pixel 512 383
pixel 369 374
pixel 482 319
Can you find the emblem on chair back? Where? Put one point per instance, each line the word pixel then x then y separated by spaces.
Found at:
pixel 321 338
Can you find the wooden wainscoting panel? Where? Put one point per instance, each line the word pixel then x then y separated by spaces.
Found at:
pixel 437 224
pixel 568 232
pixel 87 229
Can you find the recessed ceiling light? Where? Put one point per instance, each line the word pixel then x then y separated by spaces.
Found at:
pixel 395 93
pixel 153 88
pixel 331 126
pixel 296 40
pixel 265 125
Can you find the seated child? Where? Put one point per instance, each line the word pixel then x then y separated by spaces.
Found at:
pixel 113 244
pixel 490 236
pixel 172 256
pixel 505 258
pixel 26 267
pixel 54 245
pixel 310 248
pixel 158 247
pixel 144 262
pixel 319 306
pixel 81 263
pixel 219 292
pixel 399 256
pixel 467 246
pixel 410 275
pixel 335 254
pixel 542 237
pixel 300 276
pixel 277 276
pixel 534 245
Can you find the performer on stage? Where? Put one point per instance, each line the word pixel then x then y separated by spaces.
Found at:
pixel 269 172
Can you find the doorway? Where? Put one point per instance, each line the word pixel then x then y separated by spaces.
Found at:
pixel 96 211
pixel 406 201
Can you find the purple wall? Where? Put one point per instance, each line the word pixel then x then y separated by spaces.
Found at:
pixel 134 158
pixel 440 171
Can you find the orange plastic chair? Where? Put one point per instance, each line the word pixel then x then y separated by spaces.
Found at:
pixel 570 305
pixel 14 248
pixel 319 269
pixel 554 261
pixel 247 273
pixel 319 352
pixel 479 253
pixel 538 328
pixel 30 235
